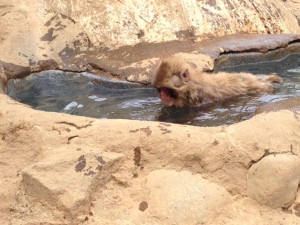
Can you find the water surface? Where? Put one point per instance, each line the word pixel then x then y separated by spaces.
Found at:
pixel 81 94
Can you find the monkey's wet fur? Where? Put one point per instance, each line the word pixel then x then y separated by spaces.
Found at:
pixel 180 84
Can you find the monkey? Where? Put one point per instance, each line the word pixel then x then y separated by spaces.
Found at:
pixel 180 84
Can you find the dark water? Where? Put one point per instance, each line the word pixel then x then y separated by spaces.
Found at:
pixel 83 95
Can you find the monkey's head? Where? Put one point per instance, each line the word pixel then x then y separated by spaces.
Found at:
pixel 173 80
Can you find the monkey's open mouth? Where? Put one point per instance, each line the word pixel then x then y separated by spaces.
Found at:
pixel 167 95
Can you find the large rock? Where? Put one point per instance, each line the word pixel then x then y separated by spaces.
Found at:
pixel 274 180
pixel 132 22
pixel 49 169
pixel 183 198
pixel 68 180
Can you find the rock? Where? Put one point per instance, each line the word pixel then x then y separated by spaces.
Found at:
pixel 63 169
pixel 292 104
pixel 68 181
pixel 294 7
pixel 142 78
pixel 141 72
pixel 244 43
pixel 45 156
pixel 156 21
pixel 200 61
pixel 75 37
pixel 274 180
pixel 183 198
pixel 247 211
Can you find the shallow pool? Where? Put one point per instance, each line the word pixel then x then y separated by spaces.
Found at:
pixel 87 95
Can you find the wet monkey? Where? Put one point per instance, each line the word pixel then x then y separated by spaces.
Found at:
pixel 180 84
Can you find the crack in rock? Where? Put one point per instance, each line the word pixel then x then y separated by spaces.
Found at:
pixel 75 125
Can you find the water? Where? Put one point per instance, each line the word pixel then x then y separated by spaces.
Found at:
pixel 79 94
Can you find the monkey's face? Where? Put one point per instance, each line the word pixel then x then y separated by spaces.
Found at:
pixel 171 80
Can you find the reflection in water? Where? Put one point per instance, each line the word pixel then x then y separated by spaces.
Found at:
pixel 211 114
pixel 84 95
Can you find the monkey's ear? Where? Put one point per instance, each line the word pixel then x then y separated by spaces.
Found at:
pixel 185 75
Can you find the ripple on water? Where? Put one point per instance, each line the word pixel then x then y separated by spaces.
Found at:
pixel 139 103
pixel 72 105
pixel 97 98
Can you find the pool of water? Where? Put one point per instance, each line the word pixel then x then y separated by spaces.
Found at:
pixel 85 95
pixel 88 95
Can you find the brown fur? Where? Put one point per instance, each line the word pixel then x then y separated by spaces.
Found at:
pixel 181 85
